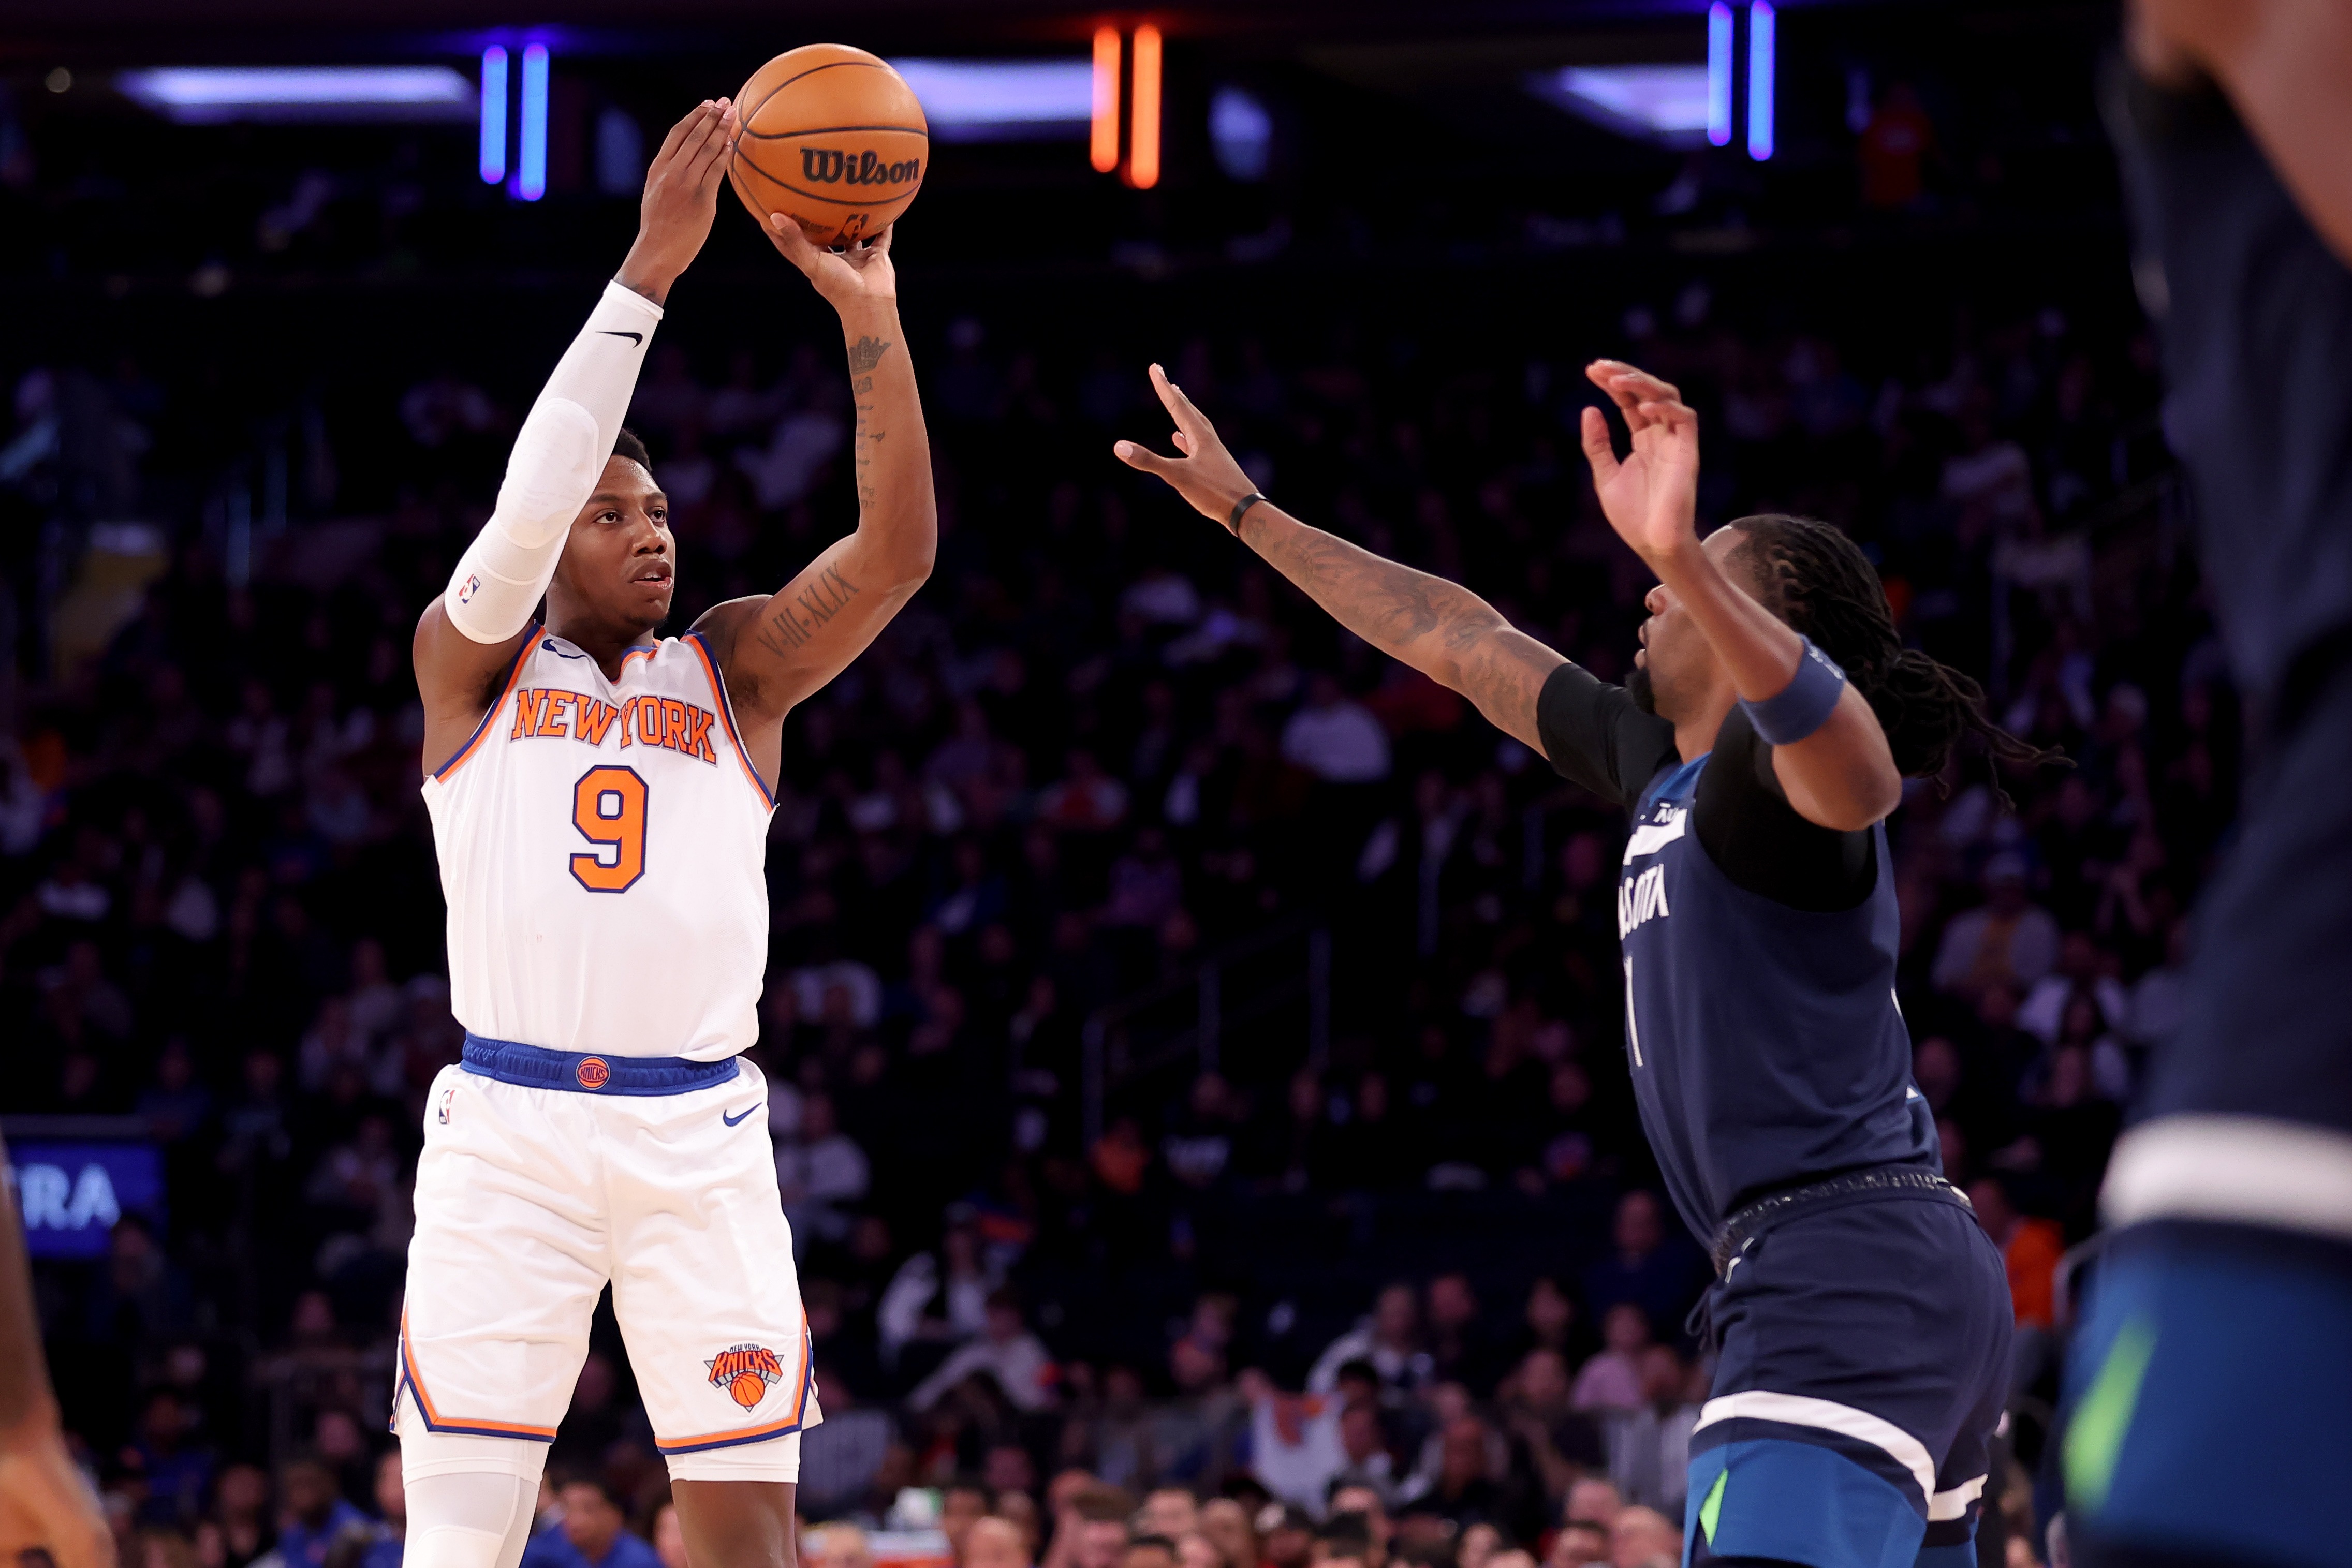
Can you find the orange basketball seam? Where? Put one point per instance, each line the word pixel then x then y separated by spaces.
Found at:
pixel 742 119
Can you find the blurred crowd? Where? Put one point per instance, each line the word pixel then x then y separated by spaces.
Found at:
pixel 1375 1274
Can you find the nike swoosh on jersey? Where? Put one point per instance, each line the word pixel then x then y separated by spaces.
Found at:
pixel 732 1121
pixel 638 338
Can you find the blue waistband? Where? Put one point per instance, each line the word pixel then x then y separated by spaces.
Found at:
pixel 535 1067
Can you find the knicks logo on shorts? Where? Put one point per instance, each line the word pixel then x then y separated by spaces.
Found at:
pixel 746 1372
pixel 592 1072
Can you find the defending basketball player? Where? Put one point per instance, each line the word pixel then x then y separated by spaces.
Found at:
pixel 1860 1317
pixel 600 798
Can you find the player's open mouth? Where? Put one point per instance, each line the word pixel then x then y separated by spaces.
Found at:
pixel 653 574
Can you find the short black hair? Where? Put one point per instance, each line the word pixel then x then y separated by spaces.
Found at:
pixel 631 445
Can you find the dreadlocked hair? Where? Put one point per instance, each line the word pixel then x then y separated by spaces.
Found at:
pixel 1818 581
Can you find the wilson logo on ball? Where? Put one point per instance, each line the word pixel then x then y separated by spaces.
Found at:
pixel 746 1372
pixel 831 166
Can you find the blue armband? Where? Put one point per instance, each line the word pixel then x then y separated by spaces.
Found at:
pixel 1805 705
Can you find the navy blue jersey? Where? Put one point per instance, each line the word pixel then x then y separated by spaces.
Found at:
pixel 1762 1028
pixel 1765 1042
pixel 2254 314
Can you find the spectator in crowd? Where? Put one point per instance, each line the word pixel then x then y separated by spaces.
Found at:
pixel 1389 1339
pixel 2006 940
pixel 1149 1551
pixel 1355 1500
pixel 388 1542
pixel 1643 1538
pixel 312 1514
pixel 668 1538
pixel 1005 1350
pixel 994 1542
pixel 1228 1525
pixel 2030 1249
pixel 1649 1445
pixel 838 1546
pixel 1287 1534
pixel 1647 1266
pixel 1613 1379
pixel 821 1171
pixel 592 1532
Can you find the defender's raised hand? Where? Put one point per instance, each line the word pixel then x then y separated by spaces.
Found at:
pixel 1206 475
pixel 681 198
pixel 1650 497
pixel 862 273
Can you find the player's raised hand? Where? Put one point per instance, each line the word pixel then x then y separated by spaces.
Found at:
pixel 1650 496
pixel 846 277
pixel 681 198
pixel 45 1504
pixel 1206 475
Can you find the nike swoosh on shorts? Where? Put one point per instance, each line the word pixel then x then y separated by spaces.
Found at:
pixel 732 1121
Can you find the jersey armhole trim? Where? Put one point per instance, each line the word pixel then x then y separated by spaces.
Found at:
pixel 506 689
pixel 702 647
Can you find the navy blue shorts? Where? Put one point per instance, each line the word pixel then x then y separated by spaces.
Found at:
pixel 2207 1389
pixel 1863 1368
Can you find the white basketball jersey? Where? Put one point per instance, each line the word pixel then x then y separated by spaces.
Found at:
pixel 602 845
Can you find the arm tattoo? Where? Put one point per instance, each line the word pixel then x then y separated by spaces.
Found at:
pixel 865 353
pixel 1387 604
pixel 790 623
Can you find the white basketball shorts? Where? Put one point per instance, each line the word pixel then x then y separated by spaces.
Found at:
pixel 546 1175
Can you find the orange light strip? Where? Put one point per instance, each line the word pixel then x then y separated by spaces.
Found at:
pixel 1143 133
pixel 1106 122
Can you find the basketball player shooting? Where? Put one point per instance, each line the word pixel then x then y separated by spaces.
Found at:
pixel 600 800
pixel 1861 1319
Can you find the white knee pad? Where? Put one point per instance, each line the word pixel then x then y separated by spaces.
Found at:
pixel 471 1500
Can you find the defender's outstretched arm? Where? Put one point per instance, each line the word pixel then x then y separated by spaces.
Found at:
pixel 1440 628
pixel 777 650
pixel 466 637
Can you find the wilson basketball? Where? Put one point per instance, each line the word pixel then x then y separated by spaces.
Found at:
pixel 831 136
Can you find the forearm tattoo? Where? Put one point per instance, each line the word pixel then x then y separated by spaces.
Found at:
pixel 864 355
pixel 1393 607
pixel 790 622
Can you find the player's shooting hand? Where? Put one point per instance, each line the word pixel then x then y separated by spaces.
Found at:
pixel 45 1505
pixel 1650 497
pixel 860 275
pixel 681 198
pixel 1206 475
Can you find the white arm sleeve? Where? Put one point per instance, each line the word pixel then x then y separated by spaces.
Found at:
pixel 557 456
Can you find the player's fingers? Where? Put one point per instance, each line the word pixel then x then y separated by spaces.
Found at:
pixel 1599 449
pixel 880 243
pixel 710 158
pixel 1184 444
pixel 1644 387
pixel 671 143
pixel 1179 407
pixel 1675 416
pixel 1604 373
pixel 784 233
pixel 1135 454
pixel 710 131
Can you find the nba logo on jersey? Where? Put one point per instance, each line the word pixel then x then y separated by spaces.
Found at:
pixel 473 585
pixel 448 1097
pixel 746 1372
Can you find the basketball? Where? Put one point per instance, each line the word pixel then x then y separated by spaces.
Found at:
pixel 747 1388
pixel 831 137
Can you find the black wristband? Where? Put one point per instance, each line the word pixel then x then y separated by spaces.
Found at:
pixel 1234 523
